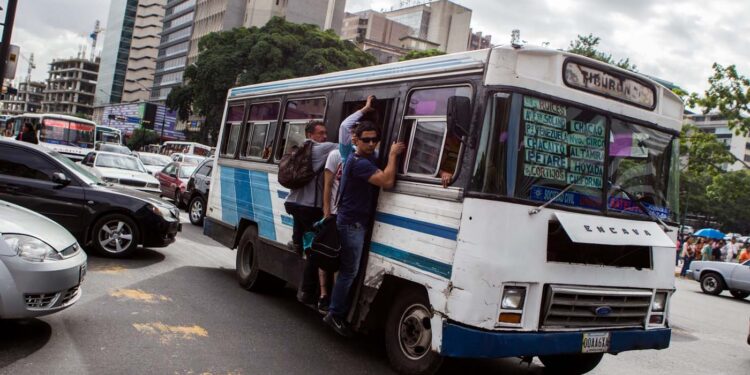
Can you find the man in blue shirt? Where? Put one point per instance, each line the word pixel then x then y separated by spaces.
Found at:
pixel 359 182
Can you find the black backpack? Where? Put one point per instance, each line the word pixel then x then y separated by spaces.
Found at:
pixel 296 167
pixel 325 249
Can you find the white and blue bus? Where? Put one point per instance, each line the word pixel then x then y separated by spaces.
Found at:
pixel 69 135
pixel 554 238
pixel 108 134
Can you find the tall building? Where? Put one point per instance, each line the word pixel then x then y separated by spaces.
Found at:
pixel 737 145
pixel 326 14
pixel 71 86
pixel 212 16
pixel 173 47
pixel 28 99
pixel 115 51
pixel 479 41
pixel 375 34
pixel 139 77
pixel 442 22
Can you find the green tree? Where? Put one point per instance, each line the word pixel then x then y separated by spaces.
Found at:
pixel 730 196
pixel 142 137
pixel 412 55
pixel 729 94
pixel 278 50
pixel 586 45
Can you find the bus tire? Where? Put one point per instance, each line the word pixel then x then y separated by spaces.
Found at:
pixel 408 335
pixel 712 283
pixel 570 364
pixel 248 273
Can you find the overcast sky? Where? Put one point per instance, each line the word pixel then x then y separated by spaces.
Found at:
pixel 676 40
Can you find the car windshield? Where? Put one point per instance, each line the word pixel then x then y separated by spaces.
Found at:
pixel 88 177
pixel 187 170
pixel 193 159
pixel 157 160
pixel 119 161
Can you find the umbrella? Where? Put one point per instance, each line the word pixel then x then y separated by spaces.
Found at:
pixel 709 233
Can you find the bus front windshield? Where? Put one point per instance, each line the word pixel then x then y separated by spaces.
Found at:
pixel 64 132
pixel 610 164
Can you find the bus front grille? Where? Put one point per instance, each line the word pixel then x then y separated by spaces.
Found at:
pixel 574 307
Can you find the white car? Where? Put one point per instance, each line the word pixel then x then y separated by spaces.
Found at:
pixel 187 158
pixel 41 264
pixel 153 162
pixel 123 170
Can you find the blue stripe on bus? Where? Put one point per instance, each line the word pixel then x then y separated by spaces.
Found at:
pixel 414 260
pixel 263 210
pixel 282 194
pixel 390 70
pixel 228 200
pixel 247 194
pixel 418 226
pixel 287 220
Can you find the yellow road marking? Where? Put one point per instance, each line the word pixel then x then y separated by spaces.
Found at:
pixel 168 333
pixel 139 295
pixel 110 270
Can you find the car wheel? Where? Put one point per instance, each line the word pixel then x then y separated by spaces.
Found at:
pixel 248 272
pixel 712 283
pixel 739 294
pixel 197 210
pixel 408 334
pixel 571 363
pixel 115 236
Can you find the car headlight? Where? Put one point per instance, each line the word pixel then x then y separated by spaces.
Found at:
pixel 513 297
pixel 161 210
pixel 111 180
pixel 660 302
pixel 30 248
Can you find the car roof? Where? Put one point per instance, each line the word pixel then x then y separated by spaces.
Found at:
pixel 113 153
pixel 38 147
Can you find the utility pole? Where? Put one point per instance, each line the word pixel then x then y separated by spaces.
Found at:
pixel 10 17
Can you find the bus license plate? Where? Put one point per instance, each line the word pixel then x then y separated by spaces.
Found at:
pixel 595 342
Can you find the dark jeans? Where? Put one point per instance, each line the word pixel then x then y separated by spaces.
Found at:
pixel 352 240
pixel 686 265
pixel 304 218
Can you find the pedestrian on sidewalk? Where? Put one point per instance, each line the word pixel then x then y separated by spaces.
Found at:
pixel 744 255
pixel 688 252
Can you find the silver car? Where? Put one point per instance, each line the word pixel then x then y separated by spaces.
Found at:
pixel 41 264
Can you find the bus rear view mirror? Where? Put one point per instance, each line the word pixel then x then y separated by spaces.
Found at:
pixel 459 115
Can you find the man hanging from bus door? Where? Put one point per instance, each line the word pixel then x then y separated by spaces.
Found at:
pixel 360 179
pixel 304 204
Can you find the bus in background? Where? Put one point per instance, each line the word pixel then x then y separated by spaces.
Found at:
pixel 68 135
pixel 171 147
pixel 550 239
pixel 106 134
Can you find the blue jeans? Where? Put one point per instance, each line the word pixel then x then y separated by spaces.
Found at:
pixel 352 237
pixel 686 265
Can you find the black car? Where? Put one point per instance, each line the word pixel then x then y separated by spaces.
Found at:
pixel 197 191
pixel 111 220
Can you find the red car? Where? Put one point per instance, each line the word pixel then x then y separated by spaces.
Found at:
pixel 173 181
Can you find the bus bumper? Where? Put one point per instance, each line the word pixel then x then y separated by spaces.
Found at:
pixel 465 342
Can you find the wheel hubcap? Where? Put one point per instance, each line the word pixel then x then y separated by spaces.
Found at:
pixel 414 333
pixel 115 236
pixel 710 284
pixel 196 210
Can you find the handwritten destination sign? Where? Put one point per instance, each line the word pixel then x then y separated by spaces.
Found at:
pixel 583 180
pixel 546 145
pixel 543 105
pixel 539 171
pixel 587 153
pixel 543 158
pixel 587 128
pixel 544 118
pixel 611 83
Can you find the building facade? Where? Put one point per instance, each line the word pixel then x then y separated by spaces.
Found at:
pixel 71 86
pixel 139 76
pixel 442 22
pixel 326 14
pixel 115 51
pixel 212 16
pixel 28 99
pixel 737 145
pixel 173 48
pixel 479 41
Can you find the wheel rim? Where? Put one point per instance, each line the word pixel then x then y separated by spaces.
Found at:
pixel 414 333
pixel 710 284
pixel 115 236
pixel 196 210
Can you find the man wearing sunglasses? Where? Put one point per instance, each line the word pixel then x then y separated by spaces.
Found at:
pixel 359 182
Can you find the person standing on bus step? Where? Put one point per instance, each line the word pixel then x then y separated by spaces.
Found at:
pixel 28 134
pixel 360 178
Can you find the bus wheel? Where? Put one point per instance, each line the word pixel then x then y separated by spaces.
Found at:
pixel 571 363
pixel 248 273
pixel 408 334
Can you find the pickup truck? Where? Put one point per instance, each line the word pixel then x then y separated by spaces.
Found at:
pixel 716 277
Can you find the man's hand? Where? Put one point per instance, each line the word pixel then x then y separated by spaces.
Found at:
pixel 445 178
pixel 368 106
pixel 397 149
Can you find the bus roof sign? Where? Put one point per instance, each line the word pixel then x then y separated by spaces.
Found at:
pixel 609 83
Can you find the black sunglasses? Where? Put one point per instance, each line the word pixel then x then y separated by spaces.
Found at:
pixel 370 140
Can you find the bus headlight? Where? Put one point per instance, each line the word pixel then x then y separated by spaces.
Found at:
pixel 513 298
pixel 660 302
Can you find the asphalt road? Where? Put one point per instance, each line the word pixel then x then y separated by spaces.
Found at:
pixel 179 310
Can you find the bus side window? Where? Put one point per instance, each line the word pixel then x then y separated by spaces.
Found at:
pixel 297 114
pixel 261 129
pixel 232 131
pixel 431 152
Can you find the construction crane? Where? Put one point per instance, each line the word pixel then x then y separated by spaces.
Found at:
pixel 31 66
pixel 94 36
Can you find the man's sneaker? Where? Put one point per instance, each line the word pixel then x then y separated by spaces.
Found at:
pixel 323 303
pixel 338 325
pixel 306 298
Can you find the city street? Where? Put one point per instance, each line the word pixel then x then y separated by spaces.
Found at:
pixel 179 310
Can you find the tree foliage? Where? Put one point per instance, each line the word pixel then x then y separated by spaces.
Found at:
pixel 586 45
pixel 412 55
pixel 729 94
pixel 730 197
pixel 242 56
pixel 142 137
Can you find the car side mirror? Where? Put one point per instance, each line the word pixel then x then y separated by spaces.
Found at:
pixel 459 116
pixel 60 179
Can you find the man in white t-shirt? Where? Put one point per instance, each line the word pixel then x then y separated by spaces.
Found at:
pixel 730 250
